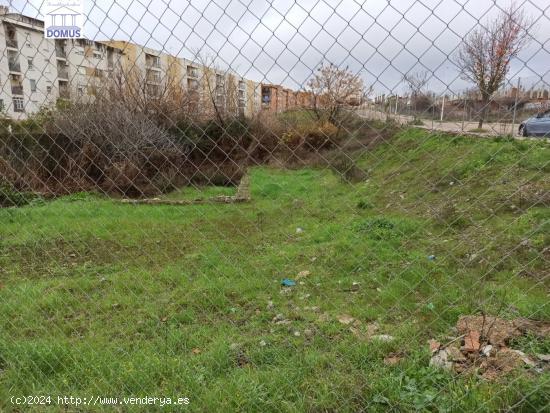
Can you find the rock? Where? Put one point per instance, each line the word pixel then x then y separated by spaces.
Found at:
pixel 299 230
pixel 308 333
pixel 441 360
pixel 545 358
pixel 372 328
pixel 263 343
pixel 356 332
pixel 345 319
pixel 471 341
pixel 383 337
pixel 296 334
pixel 486 350
pixel 323 318
pixel 455 355
pixel 392 359
pixel 526 359
pixel 303 274
pixel 278 317
pixel 434 345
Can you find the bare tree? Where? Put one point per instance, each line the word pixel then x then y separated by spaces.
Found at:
pixel 214 86
pixel 416 83
pixel 333 89
pixel 162 97
pixel 485 54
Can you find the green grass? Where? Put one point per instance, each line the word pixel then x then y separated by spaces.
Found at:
pixel 103 298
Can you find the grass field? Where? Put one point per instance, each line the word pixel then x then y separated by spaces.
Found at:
pixel 99 298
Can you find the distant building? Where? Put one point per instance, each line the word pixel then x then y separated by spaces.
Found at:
pixel 37 72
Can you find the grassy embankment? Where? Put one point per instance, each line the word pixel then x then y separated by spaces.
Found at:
pixel 102 298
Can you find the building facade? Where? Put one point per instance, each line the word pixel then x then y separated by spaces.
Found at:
pixel 36 72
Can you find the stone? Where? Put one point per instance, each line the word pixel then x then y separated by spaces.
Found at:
pixel 345 319
pixel 386 338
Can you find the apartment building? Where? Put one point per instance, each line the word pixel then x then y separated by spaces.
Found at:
pixel 277 99
pixel 37 72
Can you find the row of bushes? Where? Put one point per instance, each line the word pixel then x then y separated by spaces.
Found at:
pixel 106 147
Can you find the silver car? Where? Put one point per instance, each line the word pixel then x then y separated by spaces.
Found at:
pixel 536 126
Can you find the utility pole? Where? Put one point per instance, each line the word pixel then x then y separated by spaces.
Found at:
pixel 515 106
pixel 442 108
pixel 464 113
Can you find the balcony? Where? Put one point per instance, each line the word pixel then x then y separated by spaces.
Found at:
pixel 14 66
pixel 64 92
pixel 12 43
pixel 153 76
pixel 17 90
pixel 152 62
pixel 60 52
pixel 62 73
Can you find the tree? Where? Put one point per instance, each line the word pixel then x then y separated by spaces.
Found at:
pixel 333 89
pixel 416 82
pixel 485 54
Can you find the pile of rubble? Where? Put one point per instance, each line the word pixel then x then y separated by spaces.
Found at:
pixel 482 346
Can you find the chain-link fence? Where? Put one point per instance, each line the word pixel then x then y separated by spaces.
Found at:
pixel 237 205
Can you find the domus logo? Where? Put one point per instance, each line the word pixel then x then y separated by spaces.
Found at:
pixel 63 19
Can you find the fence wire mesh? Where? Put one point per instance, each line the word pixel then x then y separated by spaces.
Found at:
pixel 238 205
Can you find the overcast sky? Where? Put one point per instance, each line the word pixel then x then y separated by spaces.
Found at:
pixel 283 41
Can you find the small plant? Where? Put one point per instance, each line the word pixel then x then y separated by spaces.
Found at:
pixel 10 197
pixel 364 205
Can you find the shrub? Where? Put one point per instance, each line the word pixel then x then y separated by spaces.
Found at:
pixel 346 168
pixel 9 196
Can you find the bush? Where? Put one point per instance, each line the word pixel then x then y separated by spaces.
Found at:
pixel 9 196
pixel 346 168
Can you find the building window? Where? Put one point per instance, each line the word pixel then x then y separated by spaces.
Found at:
pixel 18 105
pixel 30 64
pixel 48 89
pixel 192 71
pixel 33 85
pixel 152 60
pixel 80 90
pixel 97 55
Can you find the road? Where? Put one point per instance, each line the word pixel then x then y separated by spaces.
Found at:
pixel 490 128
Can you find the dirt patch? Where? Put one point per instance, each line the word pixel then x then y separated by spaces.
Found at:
pixel 483 343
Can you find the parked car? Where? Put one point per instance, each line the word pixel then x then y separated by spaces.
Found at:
pixel 536 126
